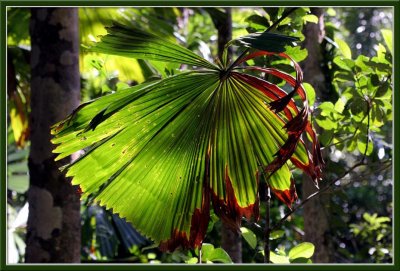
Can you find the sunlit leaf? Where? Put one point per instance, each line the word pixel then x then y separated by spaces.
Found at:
pixel 296 53
pixel 211 254
pixel 302 250
pixel 365 145
pixel 310 18
pixel 276 234
pixel 278 259
pixel 388 38
pixel 343 47
pixel 310 93
pixel 249 236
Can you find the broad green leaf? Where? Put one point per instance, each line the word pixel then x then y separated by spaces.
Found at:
pixel 296 53
pixel 193 260
pixel 276 234
pixel 339 105
pixel 362 145
pixel 211 254
pixel 258 21
pixel 341 63
pixel 331 12
pixel 310 93
pixel 326 109
pixel 326 123
pixel 302 250
pixel 310 18
pixel 343 47
pixel 388 38
pixel 278 259
pixel 381 53
pixel 362 62
pixel 383 219
pixel 249 236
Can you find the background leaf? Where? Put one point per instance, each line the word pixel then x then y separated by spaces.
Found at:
pixel 249 236
pixel 302 250
pixel 343 47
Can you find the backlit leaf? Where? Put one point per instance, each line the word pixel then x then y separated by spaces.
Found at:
pixel 278 259
pixel 249 236
pixel 388 38
pixel 343 47
pixel 163 151
pixel 310 18
pixel 302 250
pixel 276 234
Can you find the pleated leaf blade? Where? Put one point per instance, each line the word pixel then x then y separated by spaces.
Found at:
pixel 129 41
pixel 161 154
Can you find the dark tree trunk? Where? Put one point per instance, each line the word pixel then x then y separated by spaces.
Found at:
pixel 225 32
pixel 53 233
pixel 316 223
pixel 231 241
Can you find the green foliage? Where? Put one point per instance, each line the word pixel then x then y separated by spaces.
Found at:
pixel 363 83
pixel 375 234
pixel 209 254
pixel 343 47
pixel 388 37
pixel 300 253
pixel 365 87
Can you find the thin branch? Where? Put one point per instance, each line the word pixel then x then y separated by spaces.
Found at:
pixel 267 230
pixel 255 227
pixel 283 219
pixel 200 254
pixel 347 138
pixel 383 166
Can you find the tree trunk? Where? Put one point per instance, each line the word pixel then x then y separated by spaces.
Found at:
pixel 225 33
pixel 231 241
pixel 53 233
pixel 316 223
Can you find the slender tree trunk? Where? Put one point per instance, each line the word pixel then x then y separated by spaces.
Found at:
pixel 316 223
pixel 231 241
pixel 53 233
pixel 225 33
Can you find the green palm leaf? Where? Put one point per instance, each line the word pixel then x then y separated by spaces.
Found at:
pixel 132 42
pixel 160 153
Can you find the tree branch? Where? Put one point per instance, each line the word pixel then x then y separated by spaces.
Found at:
pixel 267 230
pixel 283 219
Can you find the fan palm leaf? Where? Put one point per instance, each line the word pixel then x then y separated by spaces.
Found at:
pixel 160 153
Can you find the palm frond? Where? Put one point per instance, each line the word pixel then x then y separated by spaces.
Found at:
pixel 160 153
pixel 132 42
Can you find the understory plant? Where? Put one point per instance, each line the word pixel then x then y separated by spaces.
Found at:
pixel 163 153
